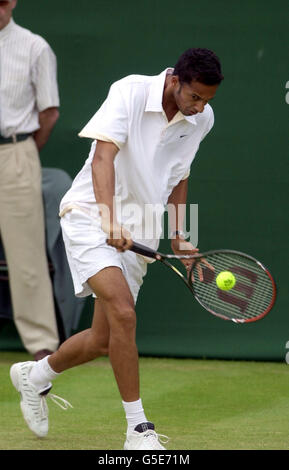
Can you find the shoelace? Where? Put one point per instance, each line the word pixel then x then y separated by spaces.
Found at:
pixel 152 436
pixel 57 400
pixel 165 440
pixel 154 439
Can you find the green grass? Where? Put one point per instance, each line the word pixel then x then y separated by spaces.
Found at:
pixel 199 404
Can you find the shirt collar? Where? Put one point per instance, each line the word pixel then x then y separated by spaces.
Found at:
pixel 4 33
pixel 155 97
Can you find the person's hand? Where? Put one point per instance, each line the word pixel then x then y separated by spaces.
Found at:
pixel 117 236
pixel 182 247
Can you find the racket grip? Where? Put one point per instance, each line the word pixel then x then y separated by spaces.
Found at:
pixel 143 250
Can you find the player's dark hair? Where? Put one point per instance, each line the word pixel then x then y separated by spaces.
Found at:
pixel 198 64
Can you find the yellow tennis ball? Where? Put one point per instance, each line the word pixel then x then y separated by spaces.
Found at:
pixel 225 280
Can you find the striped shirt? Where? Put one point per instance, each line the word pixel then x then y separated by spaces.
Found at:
pixel 28 79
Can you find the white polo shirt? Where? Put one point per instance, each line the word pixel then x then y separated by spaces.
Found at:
pixel 154 154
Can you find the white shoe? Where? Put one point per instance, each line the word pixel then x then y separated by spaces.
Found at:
pixel 33 402
pixel 144 437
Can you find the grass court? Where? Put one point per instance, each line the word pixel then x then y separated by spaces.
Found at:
pixel 199 404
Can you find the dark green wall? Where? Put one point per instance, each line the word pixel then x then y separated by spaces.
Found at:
pixel 240 178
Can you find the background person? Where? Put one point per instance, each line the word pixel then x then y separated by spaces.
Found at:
pixel 28 112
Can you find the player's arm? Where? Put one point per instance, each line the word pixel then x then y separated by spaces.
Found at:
pixel 176 207
pixel 176 212
pixel 47 120
pixel 103 178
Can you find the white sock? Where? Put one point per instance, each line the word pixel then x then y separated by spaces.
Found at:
pixel 42 373
pixel 134 413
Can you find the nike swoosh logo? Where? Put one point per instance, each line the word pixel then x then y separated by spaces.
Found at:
pixel 184 135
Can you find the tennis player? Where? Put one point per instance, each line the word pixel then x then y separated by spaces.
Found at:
pixel 145 137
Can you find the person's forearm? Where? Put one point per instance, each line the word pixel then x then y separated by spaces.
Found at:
pixel 47 121
pixel 103 178
pixel 177 206
pixel 104 186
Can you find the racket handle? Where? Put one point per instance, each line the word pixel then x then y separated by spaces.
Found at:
pixel 143 250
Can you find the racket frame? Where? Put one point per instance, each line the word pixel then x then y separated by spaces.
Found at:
pixel 163 258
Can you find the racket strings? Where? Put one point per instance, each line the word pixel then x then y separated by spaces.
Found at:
pixel 248 299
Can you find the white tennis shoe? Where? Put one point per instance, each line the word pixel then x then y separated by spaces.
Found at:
pixel 144 437
pixel 33 402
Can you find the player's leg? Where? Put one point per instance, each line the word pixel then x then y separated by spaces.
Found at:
pixel 118 314
pixel 85 345
pixel 112 332
pixel 78 349
pixel 118 304
pixel 31 378
pixel 120 311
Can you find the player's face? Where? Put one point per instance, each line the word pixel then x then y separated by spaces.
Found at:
pixel 6 8
pixel 191 98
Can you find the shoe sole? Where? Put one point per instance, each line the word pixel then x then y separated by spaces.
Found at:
pixel 15 381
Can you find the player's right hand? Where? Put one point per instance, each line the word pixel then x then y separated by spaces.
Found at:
pixel 118 236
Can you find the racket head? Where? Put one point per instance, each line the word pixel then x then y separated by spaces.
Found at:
pixel 252 296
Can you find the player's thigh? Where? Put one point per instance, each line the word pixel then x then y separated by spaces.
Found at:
pixel 110 285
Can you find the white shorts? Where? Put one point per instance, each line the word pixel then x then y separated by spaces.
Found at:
pixel 88 253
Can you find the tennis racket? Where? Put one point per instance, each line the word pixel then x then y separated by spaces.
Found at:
pixel 252 296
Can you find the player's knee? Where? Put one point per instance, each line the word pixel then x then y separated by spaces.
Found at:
pixel 124 317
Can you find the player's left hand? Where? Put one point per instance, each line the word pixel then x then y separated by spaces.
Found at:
pixel 182 247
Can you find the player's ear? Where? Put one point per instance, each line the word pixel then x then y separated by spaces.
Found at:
pixel 175 80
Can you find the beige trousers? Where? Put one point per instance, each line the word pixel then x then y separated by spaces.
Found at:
pixel 23 235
